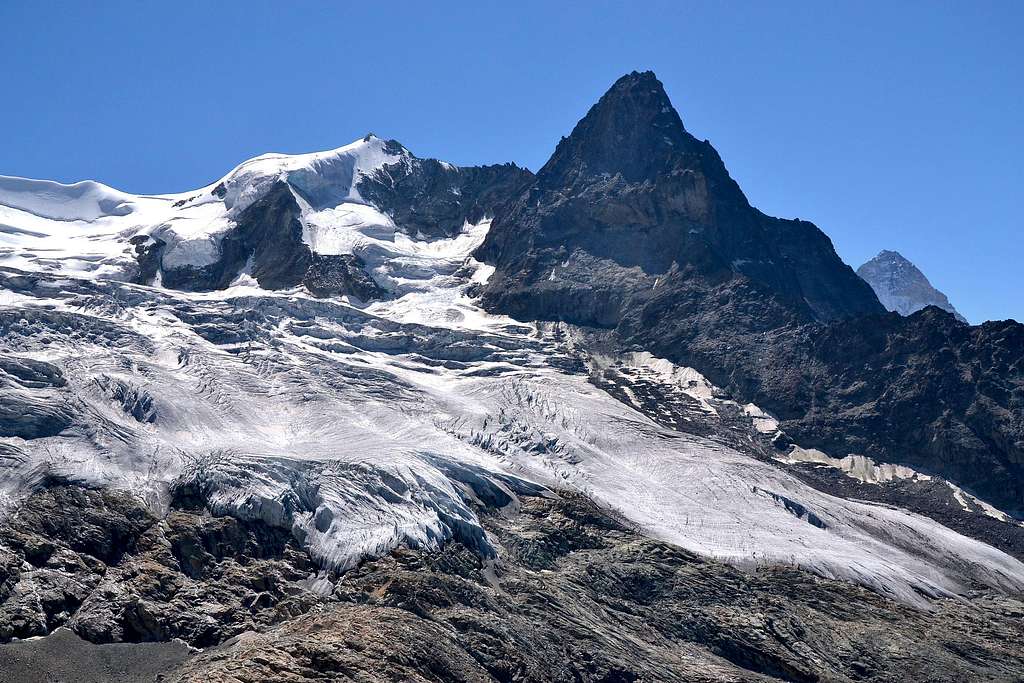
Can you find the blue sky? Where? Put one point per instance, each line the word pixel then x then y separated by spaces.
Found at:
pixel 890 125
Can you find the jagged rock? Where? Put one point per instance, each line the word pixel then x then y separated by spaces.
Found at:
pixel 100 564
pixel 573 595
pixel 148 252
pixel 925 390
pixel 340 275
pixel 576 596
pixel 628 202
pixel 434 199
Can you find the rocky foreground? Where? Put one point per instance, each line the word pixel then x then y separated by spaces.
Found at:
pixel 574 595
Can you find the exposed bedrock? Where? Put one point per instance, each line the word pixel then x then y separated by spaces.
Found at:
pixel 267 239
pixel 573 595
pixel 434 199
pixel 99 563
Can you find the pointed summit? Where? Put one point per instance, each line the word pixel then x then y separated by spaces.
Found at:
pixel 633 130
pixel 901 286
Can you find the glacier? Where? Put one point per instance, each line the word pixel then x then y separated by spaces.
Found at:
pixel 363 427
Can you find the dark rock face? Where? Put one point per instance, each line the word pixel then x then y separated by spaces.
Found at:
pixel 434 199
pixel 578 597
pixel 926 390
pixel 268 233
pixel 630 200
pixel 148 252
pixel 901 286
pixel 344 274
pixel 636 226
pixel 100 564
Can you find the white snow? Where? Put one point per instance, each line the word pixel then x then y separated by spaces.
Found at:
pixel 322 178
pixel 857 466
pixel 83 201
pixel 84 228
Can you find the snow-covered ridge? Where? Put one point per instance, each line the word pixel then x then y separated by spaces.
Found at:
pixel 86 228
pixel 324 179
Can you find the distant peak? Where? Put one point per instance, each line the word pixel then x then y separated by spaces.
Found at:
pixel 901 286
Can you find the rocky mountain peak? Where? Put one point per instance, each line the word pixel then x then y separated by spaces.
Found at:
pixel 901 286
pixel 633 130
pixel 631 200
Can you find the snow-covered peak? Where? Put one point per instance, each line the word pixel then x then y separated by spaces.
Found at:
pixel 89 229
pixel 324 179
pixel 901 286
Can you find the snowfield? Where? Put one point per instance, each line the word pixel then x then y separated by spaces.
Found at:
pixel 364 428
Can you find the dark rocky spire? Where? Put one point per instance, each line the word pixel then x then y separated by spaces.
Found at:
pixel 633 130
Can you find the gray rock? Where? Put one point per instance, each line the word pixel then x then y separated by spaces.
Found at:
pixel 575 596
pixel 63 656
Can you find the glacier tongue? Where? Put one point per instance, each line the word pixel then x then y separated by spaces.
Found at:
pixel 363 430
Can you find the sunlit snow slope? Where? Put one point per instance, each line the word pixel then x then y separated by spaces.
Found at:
pixel 365 427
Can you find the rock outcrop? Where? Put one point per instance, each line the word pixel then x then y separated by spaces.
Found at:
pixel 574 595
pixel 99 563
pixel 433 199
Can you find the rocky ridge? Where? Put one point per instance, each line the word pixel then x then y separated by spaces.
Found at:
pixel 574 595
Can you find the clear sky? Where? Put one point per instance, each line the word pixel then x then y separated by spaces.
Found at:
pixel 890 125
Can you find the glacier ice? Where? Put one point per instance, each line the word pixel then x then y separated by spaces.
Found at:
pixel 364 428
